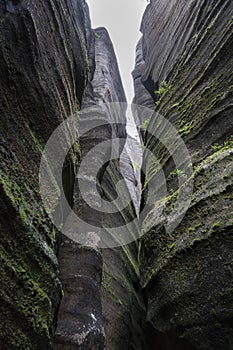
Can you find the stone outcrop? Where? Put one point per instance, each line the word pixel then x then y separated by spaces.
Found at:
pixel 186 274
pixel 170 289
pixel 121 305
pixel 45 63
pixel 80 319
pixel 52 66
pixel 142 96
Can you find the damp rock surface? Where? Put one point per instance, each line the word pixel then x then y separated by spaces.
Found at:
pixel 186 274
pixel 44 67
pixel 168 289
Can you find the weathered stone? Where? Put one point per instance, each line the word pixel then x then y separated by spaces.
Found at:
pixel 44 67
pixel 119 264
pixel 80 322
pixel 142 96
pixel 122 307
pixel 168 285
pixel 187 48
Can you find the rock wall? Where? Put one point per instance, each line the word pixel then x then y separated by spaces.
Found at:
pixel 186 274
pixel 121 305
pixel 52 66
pixel 45 63
pixel 81 320
pixel 170 289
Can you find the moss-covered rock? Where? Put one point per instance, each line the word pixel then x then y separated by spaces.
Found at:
pixel 186 273
pixel 44 67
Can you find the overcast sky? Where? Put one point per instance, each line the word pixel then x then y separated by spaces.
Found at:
pixel 122 19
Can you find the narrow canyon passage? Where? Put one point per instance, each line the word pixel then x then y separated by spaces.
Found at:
pixel 115 236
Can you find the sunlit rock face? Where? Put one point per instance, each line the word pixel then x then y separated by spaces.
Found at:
pixel 186 274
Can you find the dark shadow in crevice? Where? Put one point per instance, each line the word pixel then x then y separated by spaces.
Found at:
pixel 165 341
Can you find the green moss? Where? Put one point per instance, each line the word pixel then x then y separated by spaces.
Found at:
pixel 131 259
pixel 193 229
pixel 217 224
pixel 167 246
pixel 163 92
pixel 107 285
pixel 193 108
pixel 186 129
pixel 175 173
pixel 76 155
pixel 207 29
pixel 136 166
pixel 76 107
pixel 25 206
pixel 21 341
pixel 38 142
pixel 28 263
pixel 163 89
pixel 228 292
pixel 221 147
pixel 26 289
pixel 171 246
pixel 217 325
pixel 145 124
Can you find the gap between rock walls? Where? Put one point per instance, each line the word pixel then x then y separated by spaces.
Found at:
pixel 169 289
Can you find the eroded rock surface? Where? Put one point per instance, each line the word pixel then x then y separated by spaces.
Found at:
pixel 120 310
pixel 148 293
pixel 44 68
pixel 186 274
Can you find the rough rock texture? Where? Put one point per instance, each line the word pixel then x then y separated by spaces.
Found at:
pixel 44 67
pixel 153 291
pixel 130 164
pixel 122 307
pixel 186 274
pixel 82 321
pixel 142 96
pixel 52 65
pixel 106 85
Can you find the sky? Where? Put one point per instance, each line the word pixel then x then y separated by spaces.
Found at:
pixel 122 19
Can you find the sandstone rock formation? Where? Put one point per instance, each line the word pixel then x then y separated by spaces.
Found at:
pixel 80 319
pixel 170 289
pixel 45 64
pixel 52 66
pixel 186 274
